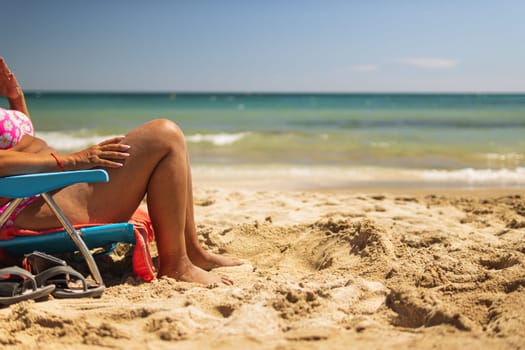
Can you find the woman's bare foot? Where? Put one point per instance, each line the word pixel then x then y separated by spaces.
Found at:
pixel 208 261
pixel 187 272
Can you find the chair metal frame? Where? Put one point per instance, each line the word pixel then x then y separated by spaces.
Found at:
pixel 23 186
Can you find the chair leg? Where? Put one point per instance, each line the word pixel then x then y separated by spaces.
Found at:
pixel 9 210
pixel 75 236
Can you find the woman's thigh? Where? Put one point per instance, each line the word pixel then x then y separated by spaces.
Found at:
pixel 107 202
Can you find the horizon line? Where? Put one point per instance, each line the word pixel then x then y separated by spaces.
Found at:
pixel 264 92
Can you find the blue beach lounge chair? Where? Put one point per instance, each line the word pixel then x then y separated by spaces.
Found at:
pixel 69 239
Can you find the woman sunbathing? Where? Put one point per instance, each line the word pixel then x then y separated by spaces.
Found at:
pixel 150 160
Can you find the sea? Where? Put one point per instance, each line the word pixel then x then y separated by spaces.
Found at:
pixel 337 140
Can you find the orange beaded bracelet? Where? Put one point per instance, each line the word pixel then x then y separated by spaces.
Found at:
pixel 59 163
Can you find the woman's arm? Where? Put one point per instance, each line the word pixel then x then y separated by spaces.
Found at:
pixel 27 157
pixel 15 163
pixel 32 155
pixel 10 88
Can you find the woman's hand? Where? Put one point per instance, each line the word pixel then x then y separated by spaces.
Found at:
pixel 107 154
pixel 9 86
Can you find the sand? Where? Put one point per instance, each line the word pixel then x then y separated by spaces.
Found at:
pixel 364 269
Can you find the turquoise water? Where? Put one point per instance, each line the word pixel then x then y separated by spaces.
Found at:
pixel 432 133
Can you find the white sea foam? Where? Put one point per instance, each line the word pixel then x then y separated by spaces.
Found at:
pixel 70 142
pixel 74 141
pixel 343 176
pixel 513 156
pixel 477 176
pixel 217 139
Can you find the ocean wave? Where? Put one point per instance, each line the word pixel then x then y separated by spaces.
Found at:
pixel 513 156
pixel 477 176
pixel 221 139
pixel 343 176
pixel 64 141
pixel 71 141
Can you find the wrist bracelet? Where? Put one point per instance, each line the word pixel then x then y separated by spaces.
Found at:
pixel 59 163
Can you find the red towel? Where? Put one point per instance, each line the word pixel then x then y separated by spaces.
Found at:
pixel 143 230
pixel 144 235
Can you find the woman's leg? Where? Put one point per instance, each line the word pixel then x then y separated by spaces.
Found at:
pixel 167 204
pixel 198 255
pixel 158 166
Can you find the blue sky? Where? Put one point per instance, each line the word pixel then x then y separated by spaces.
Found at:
pixel 251 46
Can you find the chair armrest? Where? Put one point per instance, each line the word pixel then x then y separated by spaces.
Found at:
pixel 21 186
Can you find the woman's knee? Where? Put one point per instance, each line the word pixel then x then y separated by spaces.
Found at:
pixel 165 132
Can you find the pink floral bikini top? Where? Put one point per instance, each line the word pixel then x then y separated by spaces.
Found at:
pixel 13 126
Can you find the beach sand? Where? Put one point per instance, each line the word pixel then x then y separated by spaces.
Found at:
pixel 388 268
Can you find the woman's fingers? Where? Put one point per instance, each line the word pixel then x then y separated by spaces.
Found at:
pixel 119 147
pixel 8 84
pixel 113 140
pixel 7 76
pixel 110 153
pixel 109 159
pixel 113 155
pixel 114 151
pixel 3 67
pixel 110 164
